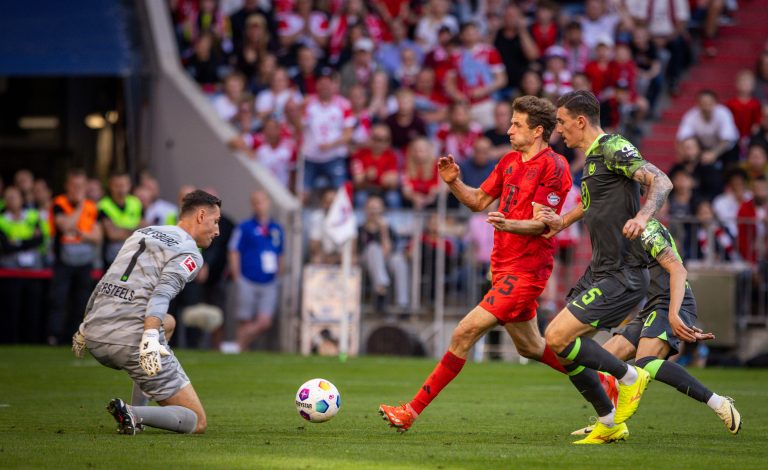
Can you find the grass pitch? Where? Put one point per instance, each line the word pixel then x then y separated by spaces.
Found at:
pixel 494 415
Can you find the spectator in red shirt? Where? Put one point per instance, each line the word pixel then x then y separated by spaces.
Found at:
pixel 544 30
pixel 753 217
pixel 744 106
pixel 458 136
pixel 431 105
pixel 478 74
pixel 420 184
pixel 374 170
pixel 600 70
pixel 442 58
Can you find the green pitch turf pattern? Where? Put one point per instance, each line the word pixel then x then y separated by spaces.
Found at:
pixel 494 415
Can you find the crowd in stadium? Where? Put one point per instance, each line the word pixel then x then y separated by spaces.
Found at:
pixel 367 94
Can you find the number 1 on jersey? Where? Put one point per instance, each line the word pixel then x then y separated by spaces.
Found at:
pixel 132 264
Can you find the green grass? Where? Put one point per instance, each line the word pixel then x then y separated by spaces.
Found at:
pixel 494 415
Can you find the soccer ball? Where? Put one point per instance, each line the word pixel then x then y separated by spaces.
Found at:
pixel 317 400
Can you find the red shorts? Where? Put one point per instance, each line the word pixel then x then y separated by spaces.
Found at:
pixel 512 298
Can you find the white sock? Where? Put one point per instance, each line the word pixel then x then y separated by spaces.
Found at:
pixel 715 401
pixel 630 377
pixel 607 420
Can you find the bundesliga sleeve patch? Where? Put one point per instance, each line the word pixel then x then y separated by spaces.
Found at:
pixel 189 264
pixel 553 199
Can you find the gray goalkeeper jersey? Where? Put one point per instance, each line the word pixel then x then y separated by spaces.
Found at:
pixel 152 267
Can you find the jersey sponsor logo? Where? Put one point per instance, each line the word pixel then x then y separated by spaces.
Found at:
pixel 189 264
pixel 553 199
pixel 629 152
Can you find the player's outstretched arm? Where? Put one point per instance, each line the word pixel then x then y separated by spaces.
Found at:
pixel 519 227
pixel 474 198
pixel 659 187
pixel 677 277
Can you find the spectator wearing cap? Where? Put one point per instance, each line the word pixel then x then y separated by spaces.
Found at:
pixel 434 18
pixel 326 125
pixel 479 73
pixel 557 79
pixel 361 68
pixel 713 126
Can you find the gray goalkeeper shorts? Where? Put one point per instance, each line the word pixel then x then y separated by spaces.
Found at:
pixel 167 383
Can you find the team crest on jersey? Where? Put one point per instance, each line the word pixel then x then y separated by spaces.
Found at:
pixel 591 169
pixel 553 199
pixel 189 264
pixel 531 173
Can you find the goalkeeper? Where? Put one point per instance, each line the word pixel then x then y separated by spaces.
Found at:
pixel 123 326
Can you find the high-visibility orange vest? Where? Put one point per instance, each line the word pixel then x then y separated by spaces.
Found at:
pixel 85 223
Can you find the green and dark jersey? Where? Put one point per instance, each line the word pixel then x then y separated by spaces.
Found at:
pixel 655 239
pixel 610 198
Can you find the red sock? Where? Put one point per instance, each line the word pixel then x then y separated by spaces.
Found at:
pixel 550 358
pixel 447 369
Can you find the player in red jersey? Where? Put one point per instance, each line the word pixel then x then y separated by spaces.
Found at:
pixel 530 176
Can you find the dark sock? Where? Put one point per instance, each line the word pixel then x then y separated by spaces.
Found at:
pixel 586 352
pixel 588 384
pixel 673 374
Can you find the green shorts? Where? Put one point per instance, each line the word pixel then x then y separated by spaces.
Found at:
pixel 605 300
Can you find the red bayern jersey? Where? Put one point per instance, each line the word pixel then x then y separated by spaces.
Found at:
pixel 544 179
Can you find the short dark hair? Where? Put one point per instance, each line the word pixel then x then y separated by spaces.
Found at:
pixel 198 198
pixel 581 103
pixel 76 173
pixel 707 92
pixel 540 111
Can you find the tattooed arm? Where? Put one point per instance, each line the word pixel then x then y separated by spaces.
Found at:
pixel 659 187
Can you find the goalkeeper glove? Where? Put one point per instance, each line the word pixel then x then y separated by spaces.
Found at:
pixel 78 342
pixel 150 351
